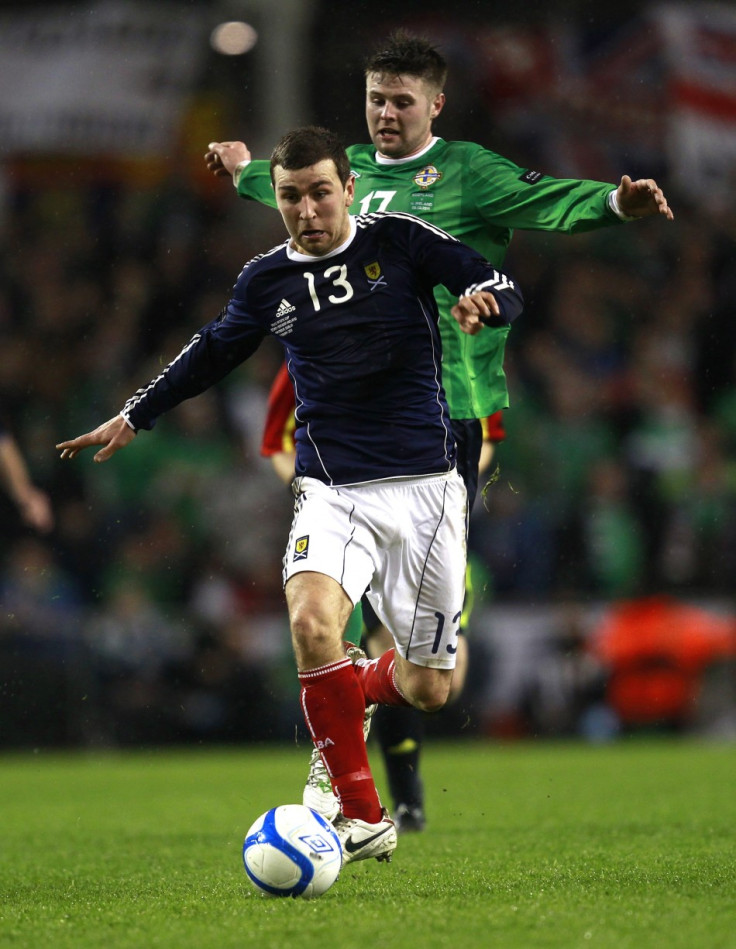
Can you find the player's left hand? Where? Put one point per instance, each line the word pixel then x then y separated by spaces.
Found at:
pixel 470 311
pixel 113 435
pixel 642 198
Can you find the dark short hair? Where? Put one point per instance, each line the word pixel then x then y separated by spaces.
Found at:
pixel 404 54
pixel 304 147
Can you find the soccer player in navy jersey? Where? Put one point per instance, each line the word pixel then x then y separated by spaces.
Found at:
pixel 480 197
pixel 379 503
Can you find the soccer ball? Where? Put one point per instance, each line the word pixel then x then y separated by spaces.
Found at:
pixel 292 851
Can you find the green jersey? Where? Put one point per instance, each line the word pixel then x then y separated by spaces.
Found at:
pixel 478 197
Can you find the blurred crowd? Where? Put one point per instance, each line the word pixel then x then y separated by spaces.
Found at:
pixel 618 477
pixel 159 588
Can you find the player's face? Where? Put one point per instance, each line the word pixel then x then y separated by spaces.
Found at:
pixel 399 111
pixel 314 205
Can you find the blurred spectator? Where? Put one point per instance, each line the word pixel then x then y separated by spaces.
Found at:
pixel 566 690
pixel 132 643
pixel 33 504
pixel 46 681
pixel 656 651
pixel 613 540
pixel 40 603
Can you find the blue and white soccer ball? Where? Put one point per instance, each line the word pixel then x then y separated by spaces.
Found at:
pixel 292 851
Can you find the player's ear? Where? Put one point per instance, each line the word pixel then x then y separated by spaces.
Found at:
pixel 349 191
pixel 438 103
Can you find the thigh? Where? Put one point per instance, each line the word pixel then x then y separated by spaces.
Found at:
pixel 418 587
pixel 318 613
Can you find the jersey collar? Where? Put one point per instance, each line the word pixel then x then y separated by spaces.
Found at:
pixel 302 258
pixel 381 160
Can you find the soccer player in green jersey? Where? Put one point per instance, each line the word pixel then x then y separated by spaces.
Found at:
pixel 480 197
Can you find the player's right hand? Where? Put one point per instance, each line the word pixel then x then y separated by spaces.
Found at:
pixel 113 434
pixel 222 158
pixel 642 198
pixel 475 310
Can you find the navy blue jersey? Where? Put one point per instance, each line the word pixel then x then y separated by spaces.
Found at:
pixel 360 331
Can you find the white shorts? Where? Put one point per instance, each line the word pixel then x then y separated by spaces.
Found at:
pixel 403 542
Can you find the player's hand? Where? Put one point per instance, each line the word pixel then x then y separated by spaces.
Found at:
pixel 113 434
pixel 223 157
pixel 642 198
pixel 471 310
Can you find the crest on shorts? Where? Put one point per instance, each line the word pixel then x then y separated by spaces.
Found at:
pixel 301 547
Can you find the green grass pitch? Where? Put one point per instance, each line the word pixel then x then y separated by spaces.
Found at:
pixel 630 845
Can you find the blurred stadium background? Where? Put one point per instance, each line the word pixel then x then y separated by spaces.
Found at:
pixel 604 557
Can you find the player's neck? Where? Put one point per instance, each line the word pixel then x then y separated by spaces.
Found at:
pixel 385 160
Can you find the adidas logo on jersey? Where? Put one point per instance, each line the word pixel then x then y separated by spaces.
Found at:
pixel 284 308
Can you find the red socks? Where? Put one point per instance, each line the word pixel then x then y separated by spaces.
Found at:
pixel 333 705
pixel 333 699
pixel 378 679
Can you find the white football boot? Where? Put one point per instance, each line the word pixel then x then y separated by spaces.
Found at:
pixel 361 840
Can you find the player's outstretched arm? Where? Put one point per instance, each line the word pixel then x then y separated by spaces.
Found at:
pixel 222 158
pixel 642 198
pixel 113 435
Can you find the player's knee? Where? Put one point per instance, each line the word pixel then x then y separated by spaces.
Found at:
pixel 425 688
pixel 318 612
pixel 310 632
pixel 429 695
pixel 307 628
pixel 432 704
